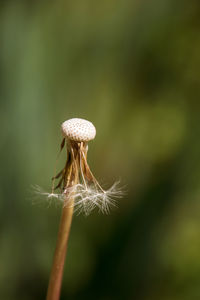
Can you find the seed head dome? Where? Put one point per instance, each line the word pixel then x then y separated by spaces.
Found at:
pixel 78 130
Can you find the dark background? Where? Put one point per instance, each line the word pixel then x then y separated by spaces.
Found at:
pixel 133 69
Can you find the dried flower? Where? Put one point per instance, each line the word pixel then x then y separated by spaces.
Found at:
pixel 87 193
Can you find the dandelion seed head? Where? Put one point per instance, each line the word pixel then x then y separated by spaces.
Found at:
pixel 78 130
pixel 77 184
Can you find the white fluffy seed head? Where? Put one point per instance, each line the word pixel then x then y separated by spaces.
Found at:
pixel 78 130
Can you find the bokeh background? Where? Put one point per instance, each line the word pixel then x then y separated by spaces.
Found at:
pixel 133 69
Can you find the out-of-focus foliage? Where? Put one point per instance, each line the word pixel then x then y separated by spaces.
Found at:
pixel 133 69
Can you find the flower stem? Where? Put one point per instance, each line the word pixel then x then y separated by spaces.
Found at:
pixel 71 175
pixel 55 281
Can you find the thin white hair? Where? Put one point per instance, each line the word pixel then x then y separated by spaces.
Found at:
pixel 86 197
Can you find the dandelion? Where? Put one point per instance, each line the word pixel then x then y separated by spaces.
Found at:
pixel 79 191
pixel 76 178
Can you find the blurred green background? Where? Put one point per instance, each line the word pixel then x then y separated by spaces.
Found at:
pixel 133 69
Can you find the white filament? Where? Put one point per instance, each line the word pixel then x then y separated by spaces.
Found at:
pixel 87 198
